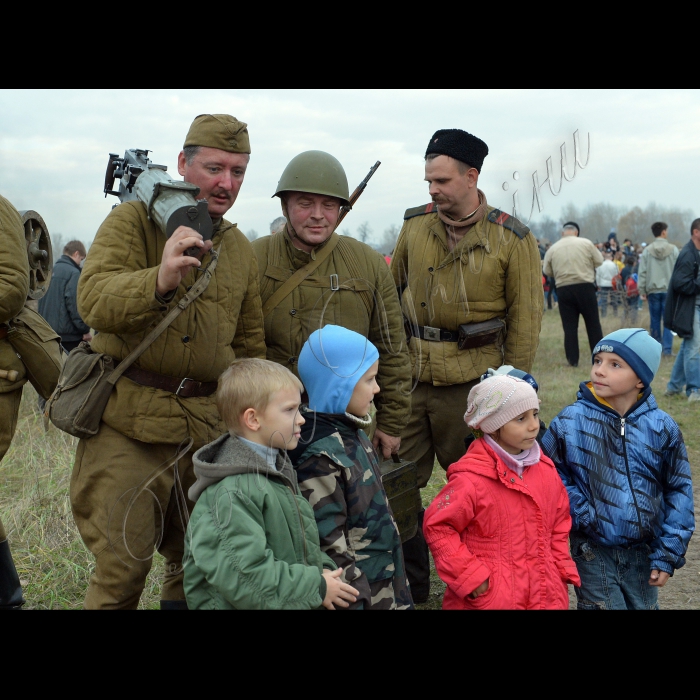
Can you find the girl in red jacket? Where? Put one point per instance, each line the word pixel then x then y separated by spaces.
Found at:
pixel 499 529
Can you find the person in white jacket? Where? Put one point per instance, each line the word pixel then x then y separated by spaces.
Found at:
pixel 654 275
pixel 604 280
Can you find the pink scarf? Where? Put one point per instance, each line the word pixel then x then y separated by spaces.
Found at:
pixel 516 463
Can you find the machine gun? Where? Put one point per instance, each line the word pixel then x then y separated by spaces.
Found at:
pixel 170 203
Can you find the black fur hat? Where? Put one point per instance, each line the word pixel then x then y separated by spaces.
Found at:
pixel 460 145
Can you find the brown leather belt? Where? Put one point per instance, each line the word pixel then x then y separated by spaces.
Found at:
pixel 187 388
pixel 3 332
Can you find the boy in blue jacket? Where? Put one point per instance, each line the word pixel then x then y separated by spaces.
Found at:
pixel 625 467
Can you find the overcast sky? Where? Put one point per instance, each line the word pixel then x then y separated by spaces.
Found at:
pixel 54 145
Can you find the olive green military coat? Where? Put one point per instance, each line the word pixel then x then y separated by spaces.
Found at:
pixel 117 297
pixel 365 301
pixel 493 272
pixel 14 286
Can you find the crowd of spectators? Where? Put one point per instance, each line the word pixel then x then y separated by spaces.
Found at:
pixel 621 264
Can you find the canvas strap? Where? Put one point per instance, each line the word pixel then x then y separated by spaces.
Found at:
pixel 300 275
pixel 195 291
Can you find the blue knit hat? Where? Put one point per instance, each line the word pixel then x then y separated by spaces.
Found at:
pixel 331 363
pixel 637 348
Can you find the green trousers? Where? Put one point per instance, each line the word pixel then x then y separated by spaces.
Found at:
pixel 127 503
pixel 436 427
pixel 9 410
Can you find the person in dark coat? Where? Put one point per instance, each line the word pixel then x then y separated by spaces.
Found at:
pixel 59 306
pixel 682 315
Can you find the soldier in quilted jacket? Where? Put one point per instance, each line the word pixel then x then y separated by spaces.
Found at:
pixel 129 481
pixel 14 286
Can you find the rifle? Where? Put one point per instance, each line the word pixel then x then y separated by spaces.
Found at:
pixel 356 194
pixel 170 203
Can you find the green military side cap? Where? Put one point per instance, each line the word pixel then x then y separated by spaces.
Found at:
pixel 220 131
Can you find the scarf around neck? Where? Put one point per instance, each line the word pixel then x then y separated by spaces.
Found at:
pixel 470 220
pixel 516 463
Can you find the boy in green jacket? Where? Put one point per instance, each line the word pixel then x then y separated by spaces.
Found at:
pixel 252 540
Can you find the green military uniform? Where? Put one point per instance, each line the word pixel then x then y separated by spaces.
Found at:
pixel 352 288
pixel 493 272
pixel 14 286
pixel 126 496
pixel 365 302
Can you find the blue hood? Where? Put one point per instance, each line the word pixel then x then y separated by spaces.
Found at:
pixel 331 363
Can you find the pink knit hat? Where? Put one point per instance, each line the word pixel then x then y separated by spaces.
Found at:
pixel 497 400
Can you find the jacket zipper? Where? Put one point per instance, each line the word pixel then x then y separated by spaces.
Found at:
pixel 629 475
pixel 301 524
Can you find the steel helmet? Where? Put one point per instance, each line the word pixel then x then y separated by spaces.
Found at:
pixel 315 172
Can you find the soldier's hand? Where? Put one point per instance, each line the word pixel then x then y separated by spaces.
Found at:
pixel 480 590
pixel 389 445
pixel 658 578
pixel 175 264
pixel 338 592
pixel 87 336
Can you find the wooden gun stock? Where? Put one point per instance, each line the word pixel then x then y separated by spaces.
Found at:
pixel 356 194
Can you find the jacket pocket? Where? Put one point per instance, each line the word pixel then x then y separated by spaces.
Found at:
pixel 486 600
pixel 377 567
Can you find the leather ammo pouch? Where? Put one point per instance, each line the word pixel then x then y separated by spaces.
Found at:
pixel 475 335
pixel 88 378
pixel 399 479
pixel 39 348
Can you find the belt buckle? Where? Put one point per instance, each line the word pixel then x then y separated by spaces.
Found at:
pixel 430 333
pixel 182 385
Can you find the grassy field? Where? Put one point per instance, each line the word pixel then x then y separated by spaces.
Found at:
pixel 54 566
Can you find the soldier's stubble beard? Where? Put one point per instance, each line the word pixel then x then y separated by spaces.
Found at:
pixel 293 235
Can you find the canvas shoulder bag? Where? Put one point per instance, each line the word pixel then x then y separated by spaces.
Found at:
pixel 39 348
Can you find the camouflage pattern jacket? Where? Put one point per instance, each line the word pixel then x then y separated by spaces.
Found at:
pixel 338 472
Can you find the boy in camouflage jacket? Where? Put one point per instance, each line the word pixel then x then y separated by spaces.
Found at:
pixel 338 469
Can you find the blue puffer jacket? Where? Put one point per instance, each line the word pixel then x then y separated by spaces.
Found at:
pixel 628 478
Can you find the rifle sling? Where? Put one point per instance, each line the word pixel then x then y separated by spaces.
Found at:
pixel 181 305
pixel 300 275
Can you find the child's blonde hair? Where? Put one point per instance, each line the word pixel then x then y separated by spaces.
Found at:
pixel 250 383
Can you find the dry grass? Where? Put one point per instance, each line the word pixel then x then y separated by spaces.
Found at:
pixel 55 566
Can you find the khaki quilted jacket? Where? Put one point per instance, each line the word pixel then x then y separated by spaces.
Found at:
pixel 14 285
pixel 365 302
pixel 493 272
pixel 116 297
